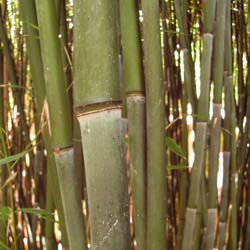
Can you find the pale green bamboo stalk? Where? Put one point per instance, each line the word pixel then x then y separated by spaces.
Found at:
pixel 184 174
pixel 97 99
pixel 136 105
pixel 195 184
pixel 228 90
pixel 201 138
pixel 218 71
pixel 234 179
pixel 156 156
pixel 61 123
pixel 224 202
pixel 49 225
pixel 189 71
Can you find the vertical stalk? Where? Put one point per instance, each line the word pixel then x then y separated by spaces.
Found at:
pixel 200 134
pixel 189 71
pixel 29 18
pixel 61 123
pixel 97 99
pixel 218 71
pixel 156 156
pixel 49 226
pixel 228 88
pixel 136 105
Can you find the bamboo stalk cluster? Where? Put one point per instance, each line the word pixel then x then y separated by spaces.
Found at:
pixel 124 124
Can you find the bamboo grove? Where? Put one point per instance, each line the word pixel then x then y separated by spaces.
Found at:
pixel 125 124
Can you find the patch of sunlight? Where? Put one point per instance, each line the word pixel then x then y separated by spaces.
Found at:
pixel 60 246
pixel 197 72
pixel 171 118
pixel 182 65
pixel 220 172
pixel 222 112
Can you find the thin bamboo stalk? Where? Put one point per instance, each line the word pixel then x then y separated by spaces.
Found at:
pixel 184 174
pixel 156 156
pixel 61 123
pixel 97 98
pixel 29 17
pixel 228 130
pixel 218 71
pixel 134 85
pixel 186 47
pixel 195 183
pixel 200 131
pixel 49 226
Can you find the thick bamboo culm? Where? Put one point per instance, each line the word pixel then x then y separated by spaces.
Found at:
pixel 97 105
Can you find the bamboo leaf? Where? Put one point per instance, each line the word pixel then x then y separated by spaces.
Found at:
pixel 12 158
pixel 42 213
pixel 35 211
pixel 174 147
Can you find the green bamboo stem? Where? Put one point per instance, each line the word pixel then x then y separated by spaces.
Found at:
pixel 201 141
pixel 108 205
pixel 184 174
pixel 49 225
pixel 136 105
pixel 218 71
pixel 156 156
pixel 219 46
pixel 54 76
pixel 61 123
pixel 195 183
pixel 228 89
pixel 137 136
pixel 186 47
pixel 97 98
pixel 29 17
pixel 67 173
pixel 224 201
pixel 234 179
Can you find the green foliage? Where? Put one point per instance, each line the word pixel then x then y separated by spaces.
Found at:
pixel 174 147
